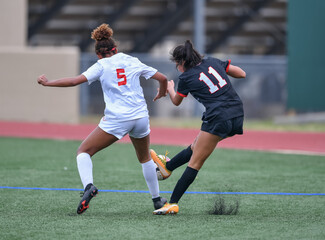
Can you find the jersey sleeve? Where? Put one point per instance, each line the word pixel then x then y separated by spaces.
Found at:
pixel 224 64
pixel 182 90
pixel 227 68
pixel 146 71
pixel 93 73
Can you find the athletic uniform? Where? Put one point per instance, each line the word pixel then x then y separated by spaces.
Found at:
pixel 209 84
pixel 125 113
pixel 125 107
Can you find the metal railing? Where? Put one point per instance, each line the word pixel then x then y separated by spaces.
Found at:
pixel 263 91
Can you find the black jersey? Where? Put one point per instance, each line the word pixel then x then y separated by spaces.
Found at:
pixel 209 84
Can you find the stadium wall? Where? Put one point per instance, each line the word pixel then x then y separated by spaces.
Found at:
pixel 21 98
pixel 13 23
pixel 306 56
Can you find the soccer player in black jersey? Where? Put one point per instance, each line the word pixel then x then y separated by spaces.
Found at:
pixel 207 80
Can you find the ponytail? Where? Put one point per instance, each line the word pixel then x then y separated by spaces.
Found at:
pixel 186 54
pixel 189 50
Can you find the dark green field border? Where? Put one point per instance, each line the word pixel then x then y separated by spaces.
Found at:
pixel 142 191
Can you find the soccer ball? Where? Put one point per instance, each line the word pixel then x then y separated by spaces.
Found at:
pixel 159 175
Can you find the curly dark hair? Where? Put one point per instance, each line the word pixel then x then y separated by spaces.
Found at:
pixel 104 41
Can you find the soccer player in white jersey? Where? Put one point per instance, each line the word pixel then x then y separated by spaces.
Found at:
pixel 125 112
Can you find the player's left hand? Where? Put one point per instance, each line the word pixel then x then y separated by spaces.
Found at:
pixel 171 85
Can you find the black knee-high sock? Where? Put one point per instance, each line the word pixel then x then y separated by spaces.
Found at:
pixel 180 159
pixel 183 183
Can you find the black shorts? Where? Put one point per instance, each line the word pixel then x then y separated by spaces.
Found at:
pixel 225 128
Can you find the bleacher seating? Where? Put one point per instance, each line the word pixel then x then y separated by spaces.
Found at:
pixel 232 26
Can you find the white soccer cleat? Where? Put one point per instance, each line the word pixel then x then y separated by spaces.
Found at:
pixel 160 160
pixel 168 208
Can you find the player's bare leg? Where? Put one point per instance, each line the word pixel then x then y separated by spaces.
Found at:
pixel 202 148
pixel 141 146
pixel 96 141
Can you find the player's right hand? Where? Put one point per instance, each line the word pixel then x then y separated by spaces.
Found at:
pixel 42 80
pixel 159 95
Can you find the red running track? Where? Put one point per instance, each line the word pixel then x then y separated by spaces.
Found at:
pixel 284 142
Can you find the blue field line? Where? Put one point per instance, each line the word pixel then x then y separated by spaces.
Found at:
pixel 142 191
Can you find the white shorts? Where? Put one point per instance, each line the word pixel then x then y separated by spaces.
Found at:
pixel 136 128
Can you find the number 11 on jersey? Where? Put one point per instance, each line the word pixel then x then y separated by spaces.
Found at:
pixel 213 87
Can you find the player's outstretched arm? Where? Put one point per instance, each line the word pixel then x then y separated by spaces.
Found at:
pixel 61 82
pixel 174 97
pixel 162 90
pixel 236 72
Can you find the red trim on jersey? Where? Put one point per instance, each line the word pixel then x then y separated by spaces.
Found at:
pixel 227 69
pixel 182 95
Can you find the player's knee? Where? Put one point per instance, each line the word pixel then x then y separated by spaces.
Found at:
pixel 80 150
pixel 192 146
pixel 84 150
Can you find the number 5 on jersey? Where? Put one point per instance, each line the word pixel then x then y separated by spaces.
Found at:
pixel 213 87
pixel 121 74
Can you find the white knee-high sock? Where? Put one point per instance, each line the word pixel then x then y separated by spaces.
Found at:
pixel 150 175
pixel 85 168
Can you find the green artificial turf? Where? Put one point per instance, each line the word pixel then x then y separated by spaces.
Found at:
pixel 51 214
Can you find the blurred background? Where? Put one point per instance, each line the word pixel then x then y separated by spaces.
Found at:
pixel 279 43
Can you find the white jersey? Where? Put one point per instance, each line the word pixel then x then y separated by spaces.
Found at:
pixel 119 76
